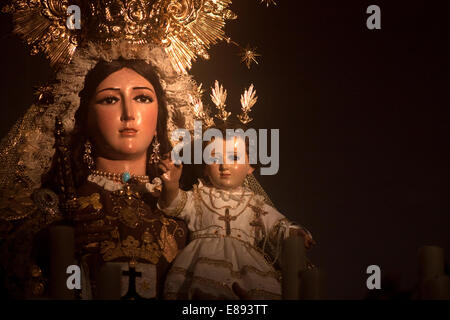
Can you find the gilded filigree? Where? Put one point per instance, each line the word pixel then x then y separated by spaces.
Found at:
pixel 268 2
pixel 42 24
pixel 47 201
pixel 16 203
pixel 185 29
pixel 219 97
pixel 181 203
pixel 44 95
pixel 191 279
pixel 198 204
pixel 168 244
pixel 131 248
pixel 239 273
pixel 248 56
pixel 92 200
pixel 200 113
pixel 128 207
pixel 248 100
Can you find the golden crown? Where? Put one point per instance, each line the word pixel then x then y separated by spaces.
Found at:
pixel 185 29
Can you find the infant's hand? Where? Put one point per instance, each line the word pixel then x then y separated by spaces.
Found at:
pixel 171 173
pixel 308 239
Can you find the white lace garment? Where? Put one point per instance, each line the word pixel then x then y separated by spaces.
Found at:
pixel 239 249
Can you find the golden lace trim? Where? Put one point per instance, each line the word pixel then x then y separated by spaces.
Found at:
pixel 170 296
pixel 197 205
pixel 91 200
pixel 16 203
pixel 246 243
pixel 167 241
pixel 212 283
pixel 206 228
pixel 238 274
pixel 181 204
pixel 149 249
pixel 191 279
pixel 258 294
pixel 130 247
pixel 195 234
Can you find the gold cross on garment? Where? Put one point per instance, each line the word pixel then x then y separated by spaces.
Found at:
pixel 227 218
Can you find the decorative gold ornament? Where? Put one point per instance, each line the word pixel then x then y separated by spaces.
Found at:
pixel 92 200
pixel 248 100
pixel 248 56
pixel 185 29
pixel 155 157
pixel 38 288
pixel 130 248
pixel 199 111
pixel 168 244
pixel 43 94
pixel 268 2
pixel 35 271
pixel 42 24
pixel 128 206
pixel 16 202
pixel 87 155
pixel 129 210
pixel 219 97
pixel 37 281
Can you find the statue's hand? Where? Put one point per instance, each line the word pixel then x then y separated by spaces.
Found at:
pixel 171 173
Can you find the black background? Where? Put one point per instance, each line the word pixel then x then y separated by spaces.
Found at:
pixel 362 119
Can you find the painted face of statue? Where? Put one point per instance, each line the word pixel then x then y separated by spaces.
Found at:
pixel 229 174
pixel 123 115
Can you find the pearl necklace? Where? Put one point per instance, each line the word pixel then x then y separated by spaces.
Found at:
pixel 121 177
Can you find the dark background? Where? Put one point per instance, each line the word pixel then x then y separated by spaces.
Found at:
pixel 362 119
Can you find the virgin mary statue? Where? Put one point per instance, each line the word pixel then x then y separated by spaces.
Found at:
pixel 85 153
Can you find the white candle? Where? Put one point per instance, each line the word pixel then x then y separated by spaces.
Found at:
pixel 431 262
pixel 310 284
pixel 62 255
pixel 292 264
pixel 437 288
pixel 109 282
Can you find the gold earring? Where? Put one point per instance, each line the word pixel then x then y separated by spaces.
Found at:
pixel 155 156
pixel 87 156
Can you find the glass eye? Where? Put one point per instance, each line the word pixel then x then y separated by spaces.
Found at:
pixel 144 98
pixel 108 100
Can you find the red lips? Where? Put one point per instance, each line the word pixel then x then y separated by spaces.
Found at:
pixel 128 131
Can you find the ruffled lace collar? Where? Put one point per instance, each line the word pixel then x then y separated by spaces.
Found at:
pixel 225 195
